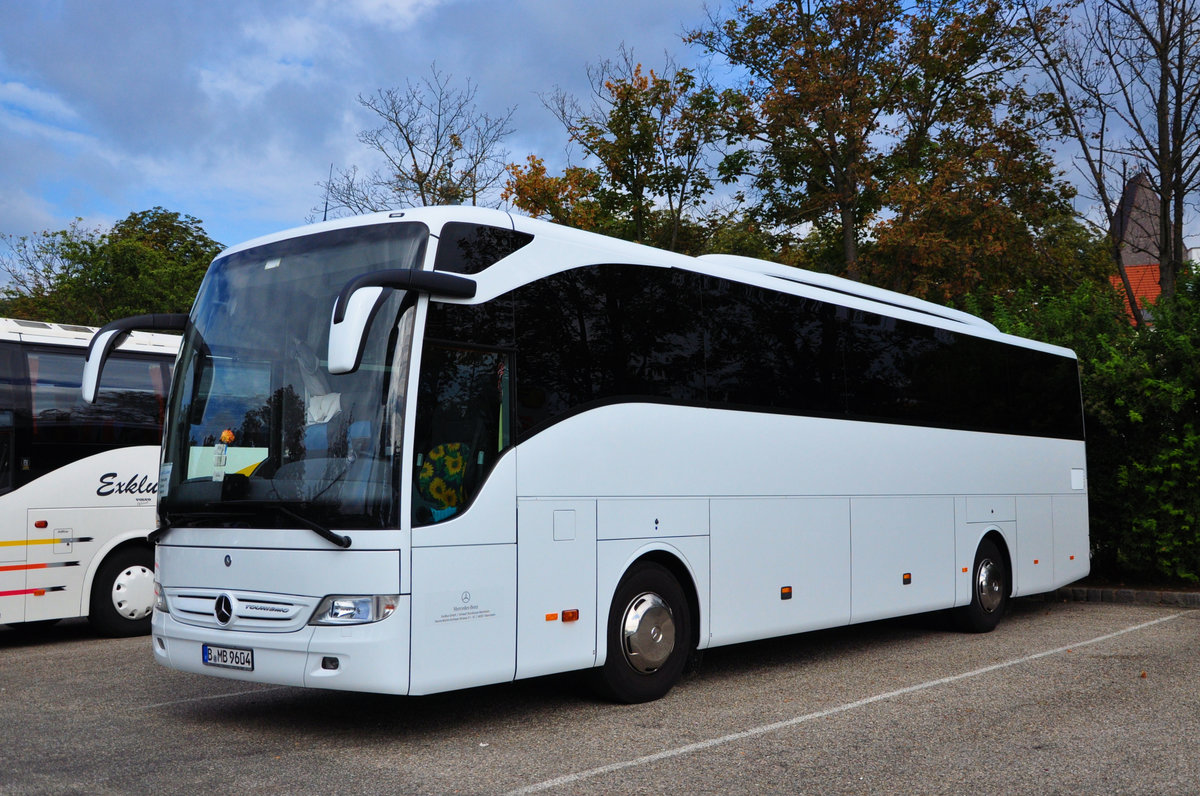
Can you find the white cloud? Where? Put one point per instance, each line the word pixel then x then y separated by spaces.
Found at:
pixel 20 99
pixel 277 51
pixel 394 14
pixel 233 112
pixel 26 212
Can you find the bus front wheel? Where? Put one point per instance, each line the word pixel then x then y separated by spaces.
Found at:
pixel 123 593
pixel 649 633
pixel 989 590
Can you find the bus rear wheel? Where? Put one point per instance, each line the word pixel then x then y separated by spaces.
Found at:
pixel 649 635
pixel 989 591
pixel 123 593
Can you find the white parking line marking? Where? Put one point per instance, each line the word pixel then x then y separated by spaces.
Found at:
pixel 792 722
pixel 210 696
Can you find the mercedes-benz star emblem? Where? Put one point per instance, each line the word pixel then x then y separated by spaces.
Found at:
pixel 223 609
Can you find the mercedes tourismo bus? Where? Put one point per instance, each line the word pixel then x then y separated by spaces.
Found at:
pixel 78 481
pixel 418 451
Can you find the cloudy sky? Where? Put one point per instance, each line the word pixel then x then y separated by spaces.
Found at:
pixel 233 111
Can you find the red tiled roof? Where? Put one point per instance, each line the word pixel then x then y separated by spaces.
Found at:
pixel 1144 281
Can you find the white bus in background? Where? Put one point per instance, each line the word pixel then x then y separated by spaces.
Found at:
pixel 517 449
pixel 78 481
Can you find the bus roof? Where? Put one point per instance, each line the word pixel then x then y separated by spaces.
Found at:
pixel 24 331
pixel 573 247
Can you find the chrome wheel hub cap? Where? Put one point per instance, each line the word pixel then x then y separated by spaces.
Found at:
pixel 989 585
pixel 647 632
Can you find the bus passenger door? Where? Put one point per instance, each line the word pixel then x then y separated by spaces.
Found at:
pixel 556 586
pixel 464 558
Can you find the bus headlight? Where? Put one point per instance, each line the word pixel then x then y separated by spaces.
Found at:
pixel 339 609
pixel 160 598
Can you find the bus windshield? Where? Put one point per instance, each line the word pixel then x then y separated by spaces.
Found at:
pixel 258 429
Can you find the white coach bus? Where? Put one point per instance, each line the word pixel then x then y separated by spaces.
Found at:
pixel 78 481
pixel 419 451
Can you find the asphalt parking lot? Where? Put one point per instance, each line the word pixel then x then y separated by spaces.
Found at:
pixel 1061 698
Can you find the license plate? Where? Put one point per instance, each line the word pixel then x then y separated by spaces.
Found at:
pixel 227 657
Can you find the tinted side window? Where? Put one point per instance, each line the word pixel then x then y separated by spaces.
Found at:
pixel 903 372
pixel 462 427
pixel 469 248
pixel 12 392
pixel 769 350
pixel 605 334
pixel 464 404
pixel 1048 387
pixel 128 409
pixel 489 324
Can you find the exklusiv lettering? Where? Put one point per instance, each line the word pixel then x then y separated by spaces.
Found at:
pixel 136 484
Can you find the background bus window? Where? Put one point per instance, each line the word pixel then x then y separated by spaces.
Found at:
pixel 128 408
pixel 10 388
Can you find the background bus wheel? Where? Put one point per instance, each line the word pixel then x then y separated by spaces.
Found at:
pixel 649 636
pixel 123 593
pixel 989 591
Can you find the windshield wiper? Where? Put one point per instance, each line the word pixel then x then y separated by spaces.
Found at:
pixel 237 506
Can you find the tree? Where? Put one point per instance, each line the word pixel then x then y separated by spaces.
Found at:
pixel 973 200
pixel 437 146
pixel 568 199
pixel 647 140
pixel 823 75
pixel 150 261
pixel 1126 74
pixel 982 207
pixel 902 132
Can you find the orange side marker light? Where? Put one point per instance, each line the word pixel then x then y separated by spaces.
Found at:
pixel 571 615
pixel 551 617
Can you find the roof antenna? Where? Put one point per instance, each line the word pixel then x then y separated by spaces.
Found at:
pixel 325 215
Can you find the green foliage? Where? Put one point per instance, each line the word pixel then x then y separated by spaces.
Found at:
pixel 901 131
pixel 647 138
pixel 151 261
pixel 1154 428
pixel 1143 423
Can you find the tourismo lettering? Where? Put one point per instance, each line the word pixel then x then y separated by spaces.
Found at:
pixel 136 484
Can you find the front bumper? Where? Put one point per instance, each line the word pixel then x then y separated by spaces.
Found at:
pixel 372 657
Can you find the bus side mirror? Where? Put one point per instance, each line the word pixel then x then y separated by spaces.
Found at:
pixel 348 336
pixel 361 298
pixel 111 335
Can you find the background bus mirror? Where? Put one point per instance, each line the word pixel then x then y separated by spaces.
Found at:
pixel 111 335
pixel 102 343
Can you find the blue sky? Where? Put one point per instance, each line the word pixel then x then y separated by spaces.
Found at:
pixel 233 111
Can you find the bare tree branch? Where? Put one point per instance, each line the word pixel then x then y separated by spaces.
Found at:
pixel 438 148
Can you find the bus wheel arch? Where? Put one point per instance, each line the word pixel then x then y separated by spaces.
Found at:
pixel 122 592
pixel 991 586
pixel 650 631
